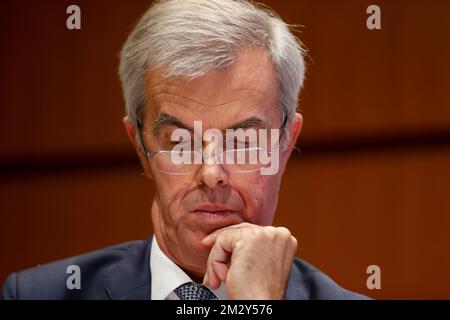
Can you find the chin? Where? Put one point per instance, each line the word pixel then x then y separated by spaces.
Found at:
pixel 198 248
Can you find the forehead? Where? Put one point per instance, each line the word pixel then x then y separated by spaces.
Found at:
pixel 246 88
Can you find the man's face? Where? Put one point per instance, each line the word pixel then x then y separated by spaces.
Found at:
pixel 188 207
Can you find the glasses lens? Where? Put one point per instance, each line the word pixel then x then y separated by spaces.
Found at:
pixel 244 160
pixel 236 160
pixel 177 162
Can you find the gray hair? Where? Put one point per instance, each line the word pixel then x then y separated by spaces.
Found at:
pixel 190 38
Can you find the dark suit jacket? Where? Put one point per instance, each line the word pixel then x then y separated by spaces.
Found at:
pixel 123 272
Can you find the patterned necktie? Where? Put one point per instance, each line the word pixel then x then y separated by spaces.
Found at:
pixel 193 291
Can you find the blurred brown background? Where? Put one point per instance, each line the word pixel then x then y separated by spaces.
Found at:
pixel 371 185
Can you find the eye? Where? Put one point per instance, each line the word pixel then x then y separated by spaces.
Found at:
pixel 182 143
pixel 242 144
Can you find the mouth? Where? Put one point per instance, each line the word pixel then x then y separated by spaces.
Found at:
pixel 217 216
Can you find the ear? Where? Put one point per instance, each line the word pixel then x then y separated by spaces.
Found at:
pixel 132 135
pixel 294 132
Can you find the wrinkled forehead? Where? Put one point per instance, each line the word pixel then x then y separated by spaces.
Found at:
pixel 245 89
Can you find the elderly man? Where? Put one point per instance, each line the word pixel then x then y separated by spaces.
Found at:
pixel 224 66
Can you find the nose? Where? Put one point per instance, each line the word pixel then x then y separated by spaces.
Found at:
pixel 212 175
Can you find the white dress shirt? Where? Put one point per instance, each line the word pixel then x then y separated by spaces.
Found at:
pixel 167 276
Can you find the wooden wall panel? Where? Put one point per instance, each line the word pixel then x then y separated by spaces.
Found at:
pixel 57 82
pixel 388 208
pixel 48 217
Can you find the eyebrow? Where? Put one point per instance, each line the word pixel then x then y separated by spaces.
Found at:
pixel 165 120
pixel 248 123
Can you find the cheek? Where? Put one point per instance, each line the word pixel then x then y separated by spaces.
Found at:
pixel 261 196
pixel 172 189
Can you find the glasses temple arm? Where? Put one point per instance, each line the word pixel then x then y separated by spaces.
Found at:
pixel 141 141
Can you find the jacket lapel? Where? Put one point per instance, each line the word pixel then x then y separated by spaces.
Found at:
pixel 297 288
pixel 130 279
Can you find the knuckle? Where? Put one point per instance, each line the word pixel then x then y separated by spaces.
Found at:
pixel 294 243
pixel 245 224
pixel 267 232
pixel 284 232
pixel 221 238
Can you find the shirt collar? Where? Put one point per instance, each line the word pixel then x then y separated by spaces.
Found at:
pixel 167 276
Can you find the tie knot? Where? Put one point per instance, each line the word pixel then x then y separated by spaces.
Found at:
pixel 193 291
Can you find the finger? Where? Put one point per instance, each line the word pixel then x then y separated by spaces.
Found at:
pixel 219 257
pixel 221 269
pixel 209 239
pixel 215 270
pixel 221 253
pixel 213 279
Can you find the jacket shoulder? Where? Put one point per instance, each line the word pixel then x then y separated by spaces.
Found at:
pixel 308 282
pixel 51 280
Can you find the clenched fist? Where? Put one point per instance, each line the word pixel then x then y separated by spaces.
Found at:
pixel 253 261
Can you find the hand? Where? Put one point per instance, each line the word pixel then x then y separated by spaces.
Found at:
pixel 253 261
